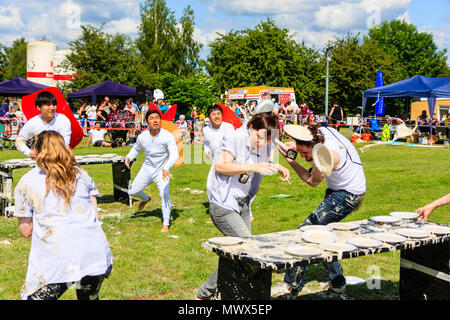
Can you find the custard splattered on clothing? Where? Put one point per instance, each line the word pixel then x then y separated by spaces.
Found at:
pixel 67 244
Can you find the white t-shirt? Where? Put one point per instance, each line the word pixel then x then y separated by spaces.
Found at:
pixel 161 151
pixel 224 190
pixel 35 125
pixel 98 134
pixel 213 138
pixel 66 244
pixel 349 175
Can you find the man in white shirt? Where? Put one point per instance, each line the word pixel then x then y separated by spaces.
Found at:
pixel 215 132
pixel 49 119
pixel 161 153
pixel 97 135
pixel 345 193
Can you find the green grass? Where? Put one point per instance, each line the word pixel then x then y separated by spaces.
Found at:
pixel 152 265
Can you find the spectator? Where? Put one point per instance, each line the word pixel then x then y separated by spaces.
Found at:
pixel 294 105
pixel 107 105
pixel 289 108
pixel 194 114
pixel 120 120
pixel 92 113
pixel 4 108
pixel 97 135
pixel 202 117
pixel 304 109
pixel 423 118
pixel 129 106
pixel 183 126
pixel 159 97
pixel 135 106
pixel 336 116
pixel 144 109
pixel 102 115
pixel 310 118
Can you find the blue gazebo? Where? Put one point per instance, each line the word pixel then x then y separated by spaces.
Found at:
pixel 417 86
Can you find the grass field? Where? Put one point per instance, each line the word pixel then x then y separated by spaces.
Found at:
pixel 151 265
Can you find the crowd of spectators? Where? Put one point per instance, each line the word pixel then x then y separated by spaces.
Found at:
pixel 121 120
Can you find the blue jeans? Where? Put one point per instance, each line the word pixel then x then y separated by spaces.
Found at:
pixel 335 207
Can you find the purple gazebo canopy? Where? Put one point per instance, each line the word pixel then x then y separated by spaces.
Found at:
pixel 18 86
pixel 106 88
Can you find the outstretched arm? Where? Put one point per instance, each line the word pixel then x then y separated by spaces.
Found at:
pixel 426 211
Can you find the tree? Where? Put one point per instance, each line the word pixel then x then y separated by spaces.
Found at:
pixel 16 59
pixel 97 56
pixel 164 46
pixel 2 63
pixel 269 55
pixel 187 49
pixel 189 91
pixel 353 69
pixel 415 51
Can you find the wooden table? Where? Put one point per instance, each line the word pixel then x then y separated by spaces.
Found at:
pixel 120 174
pixel 245 270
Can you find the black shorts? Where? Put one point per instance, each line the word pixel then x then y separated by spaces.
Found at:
pixel 98 143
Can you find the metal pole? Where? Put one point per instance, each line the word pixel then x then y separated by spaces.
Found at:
pixel 326 87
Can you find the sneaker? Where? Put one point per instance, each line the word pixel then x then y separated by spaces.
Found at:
pixel 283 289
pixel 337 285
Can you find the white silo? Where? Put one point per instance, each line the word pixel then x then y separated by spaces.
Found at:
pixel 40 62
pixel 59 72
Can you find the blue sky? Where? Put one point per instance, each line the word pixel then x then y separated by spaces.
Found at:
pixel 315 21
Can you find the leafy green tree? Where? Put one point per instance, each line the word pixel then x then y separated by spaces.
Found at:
pixel 98 56
pixel 416 52
pixel 189 91
pixel 16 59
pixel 353 69
pixel 265 55
pixel 2 63
pixel 187 48
pixel 163 46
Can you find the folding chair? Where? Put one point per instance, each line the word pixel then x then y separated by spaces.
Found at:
pixel 2 136
pixel 10 141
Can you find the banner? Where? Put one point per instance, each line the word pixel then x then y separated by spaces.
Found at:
pixel 379 104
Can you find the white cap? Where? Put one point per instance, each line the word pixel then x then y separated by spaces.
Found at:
pixel 158 94
pixel 264 106
pixel 298 132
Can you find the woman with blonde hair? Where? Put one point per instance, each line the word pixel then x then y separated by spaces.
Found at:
pixel 56 206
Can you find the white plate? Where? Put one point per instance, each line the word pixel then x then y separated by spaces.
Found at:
pixel 388 237
pixel 226 241
pixel 337 247
pixel 319 236
pixel 345 226
pixel 316 227
pixel 303 251
pixel 440 230
pixel 365 243
pixel 385 219
pixel 405 215
pixel 413 233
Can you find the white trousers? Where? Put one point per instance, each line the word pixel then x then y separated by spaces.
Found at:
pixel 144 178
